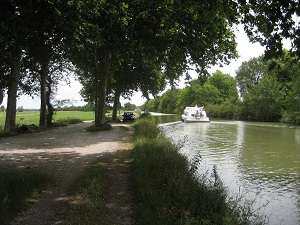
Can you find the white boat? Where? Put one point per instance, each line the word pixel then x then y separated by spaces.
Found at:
pixel 194 114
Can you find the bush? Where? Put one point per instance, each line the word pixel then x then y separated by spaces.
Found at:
pixel 291 118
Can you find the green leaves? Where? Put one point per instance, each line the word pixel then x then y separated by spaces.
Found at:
pixel 269 22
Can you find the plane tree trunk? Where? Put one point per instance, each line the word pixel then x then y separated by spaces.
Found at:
pixel 49 116
pixel 11 109
pixel 116 105
pixel 101 86
pixel 43 81
pixel 1 96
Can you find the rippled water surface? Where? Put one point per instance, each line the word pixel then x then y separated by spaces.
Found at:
pixel 258 161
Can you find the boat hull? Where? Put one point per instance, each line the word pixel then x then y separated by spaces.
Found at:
pixel 195 120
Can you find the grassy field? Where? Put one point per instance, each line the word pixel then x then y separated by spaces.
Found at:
pixel 32 117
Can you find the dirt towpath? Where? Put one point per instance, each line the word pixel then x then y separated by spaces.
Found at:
pixel 64 153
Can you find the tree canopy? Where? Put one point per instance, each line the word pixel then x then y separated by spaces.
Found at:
pixel 147 43
pixel 269 22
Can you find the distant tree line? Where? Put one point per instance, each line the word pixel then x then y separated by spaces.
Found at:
pixel 263 90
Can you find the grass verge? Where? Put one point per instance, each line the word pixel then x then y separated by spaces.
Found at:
pixel 167 189
pixel 85 204
pixel 16 189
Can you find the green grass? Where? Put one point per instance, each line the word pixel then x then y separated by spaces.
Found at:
pixel 15 191
pixel 60 118
pixel 167 189
pixel 85 205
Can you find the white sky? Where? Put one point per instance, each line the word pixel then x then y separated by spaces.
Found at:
pixel 245 49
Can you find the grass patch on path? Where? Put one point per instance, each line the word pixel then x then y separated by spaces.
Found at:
pixel 16 189
pixel 99 196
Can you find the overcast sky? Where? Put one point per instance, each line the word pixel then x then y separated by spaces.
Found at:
pixel 245 49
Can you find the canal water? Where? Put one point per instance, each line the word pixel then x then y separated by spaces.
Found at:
pixel 257 162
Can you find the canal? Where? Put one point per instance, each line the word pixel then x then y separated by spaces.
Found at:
pixel 257 162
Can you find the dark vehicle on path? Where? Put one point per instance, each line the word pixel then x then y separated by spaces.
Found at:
pixel 128 116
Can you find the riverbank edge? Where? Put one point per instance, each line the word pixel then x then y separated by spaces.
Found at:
pixel 167 189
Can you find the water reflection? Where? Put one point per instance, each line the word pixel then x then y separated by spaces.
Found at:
pixel 165 118
pixel 251 158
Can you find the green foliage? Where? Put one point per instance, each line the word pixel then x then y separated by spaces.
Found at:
pixel 224 110
pixel 291 118
pixel 129 107
pixel 249 74
pixel 137 112
pixel 265 101
pixel 151 105
pixel 61 118
pixel 226 85
pixel 271 22
pixel 218 94
pixel 15 191
pixel 208 94
pixel 146 127
pixel 186 97
pixel 168 100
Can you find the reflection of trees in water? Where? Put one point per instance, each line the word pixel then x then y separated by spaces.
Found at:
pixel 166 118
pixel 297 135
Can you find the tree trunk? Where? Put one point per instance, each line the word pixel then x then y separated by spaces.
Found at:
pixel 43 80
pixel 1 96
pixel 101 89
pixel 49 106
pixel 116 105
pixel 11 109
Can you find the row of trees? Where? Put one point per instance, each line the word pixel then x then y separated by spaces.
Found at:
pixel 117 47
pixel 263 90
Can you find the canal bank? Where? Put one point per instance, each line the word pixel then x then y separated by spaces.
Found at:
pixel 168 189
pixel 255 161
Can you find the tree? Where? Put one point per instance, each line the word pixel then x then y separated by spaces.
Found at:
pixel 1 96
pixel 29 39
pixel 208 94
pixel 129 107
pixel 264 102
pixel 287 70
pixel 168 101
pixel 151 105
pixel 179 34
pixel 226 85
pixel 270 21
pixel 13 36
pixel 249 74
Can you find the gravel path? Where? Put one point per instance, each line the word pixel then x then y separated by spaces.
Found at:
pixel 64 153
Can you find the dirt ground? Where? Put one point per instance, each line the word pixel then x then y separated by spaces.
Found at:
pixel 64 153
